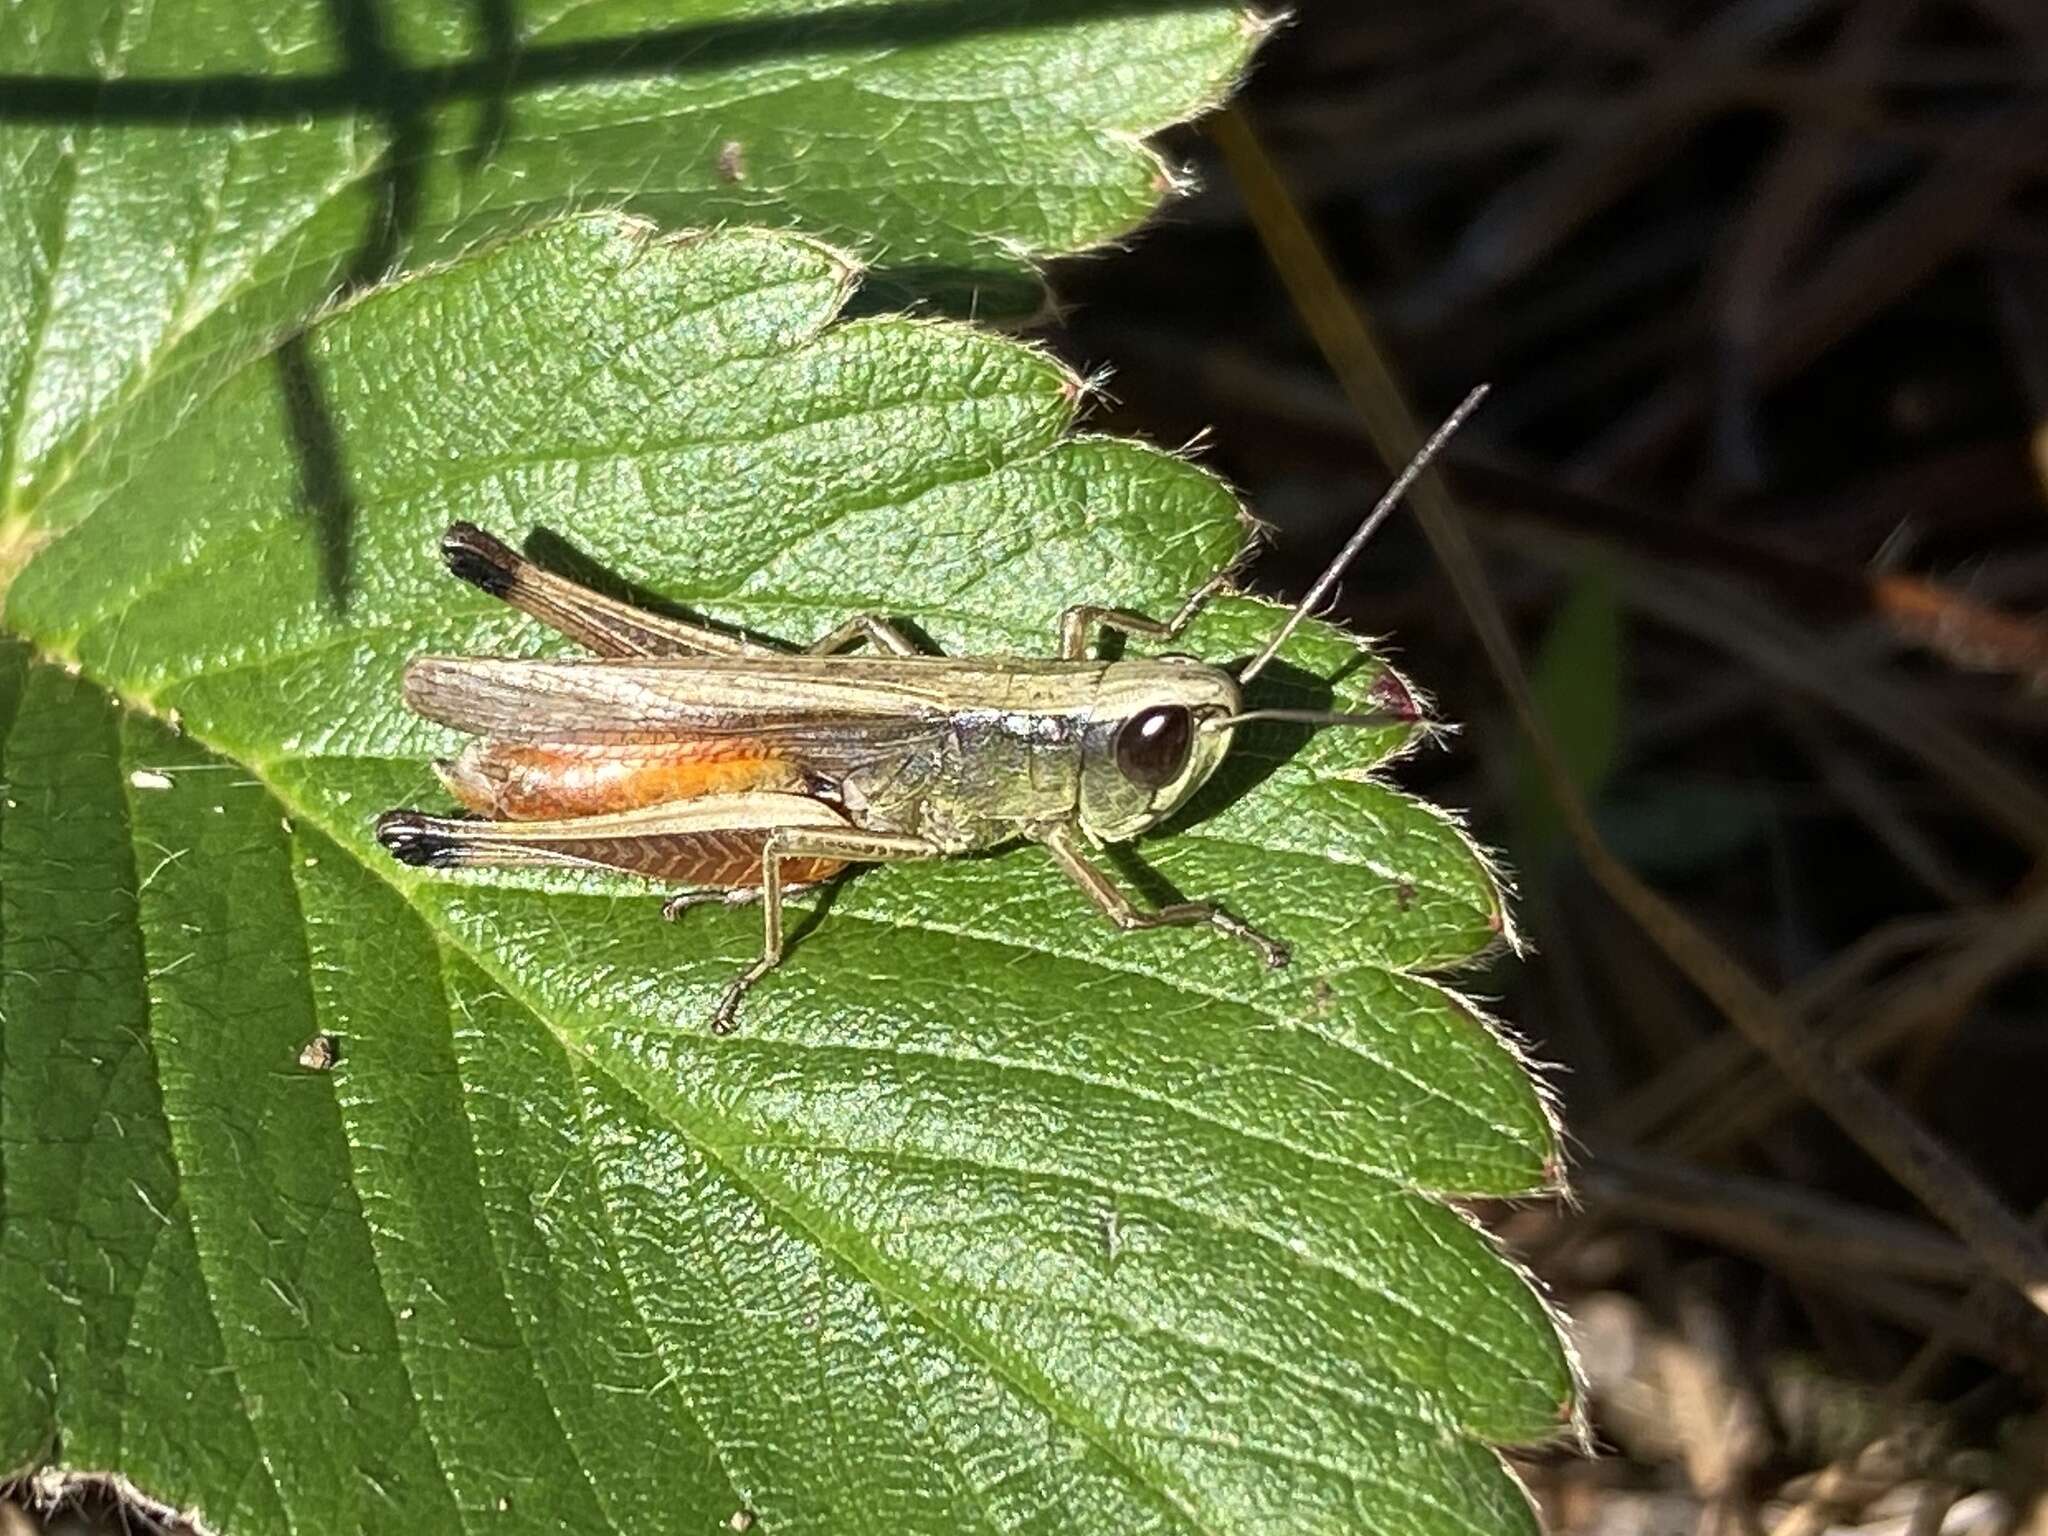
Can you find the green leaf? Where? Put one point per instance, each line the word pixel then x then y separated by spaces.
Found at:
pixel 182 180
pixel 988 1218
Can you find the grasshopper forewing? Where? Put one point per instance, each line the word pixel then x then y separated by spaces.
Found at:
pixel 701 759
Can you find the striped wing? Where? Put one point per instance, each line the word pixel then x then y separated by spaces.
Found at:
pixel 822 711
pixel 793 700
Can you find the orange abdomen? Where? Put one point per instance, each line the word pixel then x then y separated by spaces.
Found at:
pixel 511 781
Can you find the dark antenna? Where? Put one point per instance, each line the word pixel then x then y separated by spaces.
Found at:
pixel 1314 596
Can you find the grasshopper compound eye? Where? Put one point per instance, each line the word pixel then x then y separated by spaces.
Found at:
pixel 1153 746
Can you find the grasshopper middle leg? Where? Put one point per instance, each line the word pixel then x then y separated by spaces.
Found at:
pixel 742 896
pixel 878 632
pixel 1129 917
pixel 794 843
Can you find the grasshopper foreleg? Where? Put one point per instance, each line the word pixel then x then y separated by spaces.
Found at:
pixel 788 844
pixel 1081 623
pixel 1129 917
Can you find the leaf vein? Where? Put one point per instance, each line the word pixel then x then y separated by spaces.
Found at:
pixel 126 794
pixel 1215 1220
pixel 449 1007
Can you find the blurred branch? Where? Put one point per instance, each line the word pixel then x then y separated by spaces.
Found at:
pixel 1948 209
pixel 1928 993
pixel 1722 1056
pixel 1961 630
pixel 1773 1220
pixel 1784 214
pixel 1866 793
pixel 1791 656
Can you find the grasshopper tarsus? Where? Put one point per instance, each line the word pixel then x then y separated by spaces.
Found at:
pixel 1276 955
pixel 1195 913
pixel 673 909
pixel 1272 951
pixel 725 1018
pixel 1080 623
pixel 1128 917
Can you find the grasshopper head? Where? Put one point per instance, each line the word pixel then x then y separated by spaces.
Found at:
pixel 1152 742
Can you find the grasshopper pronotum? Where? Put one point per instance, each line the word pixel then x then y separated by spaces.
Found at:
pixel 690 756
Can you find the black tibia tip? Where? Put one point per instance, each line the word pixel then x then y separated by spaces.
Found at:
pixel 480 559
pixel 412 838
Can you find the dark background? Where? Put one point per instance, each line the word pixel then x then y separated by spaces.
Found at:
pixel 1762 289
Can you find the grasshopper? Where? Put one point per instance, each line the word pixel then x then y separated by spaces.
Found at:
pixel 700 758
